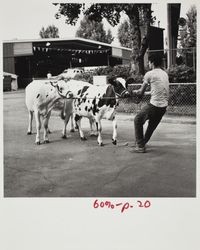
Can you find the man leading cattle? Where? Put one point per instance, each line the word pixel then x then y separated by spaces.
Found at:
pixel 158 80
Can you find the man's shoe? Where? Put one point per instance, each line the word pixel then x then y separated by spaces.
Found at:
pixel 140 150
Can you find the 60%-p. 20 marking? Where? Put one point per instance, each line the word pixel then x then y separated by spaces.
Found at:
pixel 123 206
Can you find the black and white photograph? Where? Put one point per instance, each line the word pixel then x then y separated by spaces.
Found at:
pixel 107 109
pixel 99 104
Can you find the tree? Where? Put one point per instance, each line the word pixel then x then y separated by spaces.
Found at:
pixel 109 36
pixel 188 36
pixel 188 33
pixel 124 34
pixel 124 31
pixel 50 32
pixel 112 13
pixel 93 30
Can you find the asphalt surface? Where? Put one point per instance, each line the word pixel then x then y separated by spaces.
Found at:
pixel 74 168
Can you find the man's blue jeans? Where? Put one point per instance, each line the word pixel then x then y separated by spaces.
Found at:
pixel 154 115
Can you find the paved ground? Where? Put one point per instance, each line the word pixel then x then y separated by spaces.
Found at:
pixel 72 168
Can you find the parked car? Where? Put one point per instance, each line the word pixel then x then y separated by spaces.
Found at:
pixel 71 73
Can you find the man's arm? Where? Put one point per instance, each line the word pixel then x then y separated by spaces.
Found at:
pixel 140 92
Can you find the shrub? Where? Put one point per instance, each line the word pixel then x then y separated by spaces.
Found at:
pixel 122 71
pixel 86 76
pixel 103 71
pixel 181 74
pixel 177 74
pixel 182 94
pixel 118 71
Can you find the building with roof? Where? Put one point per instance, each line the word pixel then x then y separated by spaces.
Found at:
pixel 35 58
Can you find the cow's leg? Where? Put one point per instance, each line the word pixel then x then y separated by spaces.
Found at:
pixel 30 120
pixel 38 126
pixel 114 138
pixel 72 123
pixel 66 114
pixel 78 122
pixel 92 124
pixel 46 129
pixel 64 132
pixel 76 125
pixel 99 130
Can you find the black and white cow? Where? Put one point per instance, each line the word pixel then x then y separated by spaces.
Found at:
pixel 68 110
pixel 41 97
pixel 95 103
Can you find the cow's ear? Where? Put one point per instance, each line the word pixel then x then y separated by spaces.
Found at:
pixel 130 80
pixel 111 80
pixel 54 84
pixel 61 78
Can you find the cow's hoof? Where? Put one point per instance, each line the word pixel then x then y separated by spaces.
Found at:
pixel 64 136
pixel 93 135
pixel 37 142
pixel 114 142
pixel 101 144
pixel 83 138
pixel 49 131
pixel 29 133
pixel 46 141
pixel 72 130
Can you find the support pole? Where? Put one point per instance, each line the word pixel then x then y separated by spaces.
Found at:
pixel 169 37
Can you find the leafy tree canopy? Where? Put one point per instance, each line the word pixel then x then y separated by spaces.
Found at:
pixel 94 30
pixel 189 39
pixel 50 32
pixel 112 13
pixel 99 11
pixel 124 34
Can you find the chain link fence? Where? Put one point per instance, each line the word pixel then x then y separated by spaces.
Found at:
pixel 182 100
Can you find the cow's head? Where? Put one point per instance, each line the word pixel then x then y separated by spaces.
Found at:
pixel 62 88
pixel 120 90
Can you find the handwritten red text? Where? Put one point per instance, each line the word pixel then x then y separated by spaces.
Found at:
pixel 122 206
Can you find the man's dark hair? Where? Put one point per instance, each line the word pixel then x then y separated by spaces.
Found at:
pixel 156 59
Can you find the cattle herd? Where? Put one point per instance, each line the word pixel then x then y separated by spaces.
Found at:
pixel 81 99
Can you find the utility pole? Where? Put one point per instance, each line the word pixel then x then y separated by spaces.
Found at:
pixel 173 15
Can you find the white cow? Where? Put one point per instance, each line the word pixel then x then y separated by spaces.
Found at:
pixel 41 97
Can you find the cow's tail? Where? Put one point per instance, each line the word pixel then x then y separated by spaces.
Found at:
pixel 67 109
